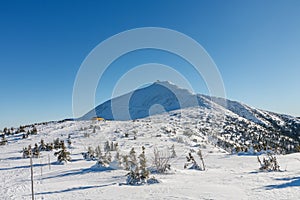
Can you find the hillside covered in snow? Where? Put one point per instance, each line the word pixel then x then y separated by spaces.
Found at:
pixel 175 145
pixel 226 175
pixel 238 123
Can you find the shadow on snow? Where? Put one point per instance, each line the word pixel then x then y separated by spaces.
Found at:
pixel 291 182
pixel 79 172
pixel 75 189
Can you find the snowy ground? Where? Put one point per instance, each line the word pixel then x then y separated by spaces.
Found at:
pixel 226 176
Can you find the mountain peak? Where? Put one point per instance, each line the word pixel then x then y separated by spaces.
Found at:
pixel 137 104
pixel 173 87
pixel 164 96
pixel 167 83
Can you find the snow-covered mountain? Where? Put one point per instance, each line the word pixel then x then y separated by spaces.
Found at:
pixel 227 175
pixel 228 133
pixel 138 103
pixel 164 96
pixel 170 97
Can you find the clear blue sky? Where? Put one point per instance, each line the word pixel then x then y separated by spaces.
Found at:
pixel 255 44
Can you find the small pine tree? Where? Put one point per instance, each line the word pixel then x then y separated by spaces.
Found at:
pixel 91 153
pixel 42 146
pixel 49 146
pixel 29 149
pixel 118 157
pixel 25 153
pixel 106 146
pixel 3 140
pixel 133 177
pixel 35 151
pixel 112 146
pixel 102 161
pixel 125 160
pixel 63 155
pixel 57 143
pixel 199 153
pixel 173 152
pixel 21 129
pixel 144 173
pixel 132 156
pixel 108 156
pixel 116 146
pixel 138 173
pixel 69 141
pixel 34 131
pixel 98 152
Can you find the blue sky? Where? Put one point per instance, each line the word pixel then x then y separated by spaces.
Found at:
pixel 255 44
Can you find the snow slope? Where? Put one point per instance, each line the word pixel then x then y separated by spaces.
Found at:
pixel 259 128
pixel 226 176
pixel 137 104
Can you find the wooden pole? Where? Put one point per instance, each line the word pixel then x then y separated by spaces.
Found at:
pixel 31 170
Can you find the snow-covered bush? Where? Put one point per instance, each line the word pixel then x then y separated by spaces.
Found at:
pixel 103 161
pixel 269 163
pixel 110 146
pixel 161 161
pixel 191 163
pixel 35 151
pixel 90 154
pixel 26 152
pixel 58 143
pixel 63 155
pixel 42 146
pixel 45 146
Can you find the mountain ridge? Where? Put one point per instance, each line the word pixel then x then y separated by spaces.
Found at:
pixel 231 120
pixel 234 106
